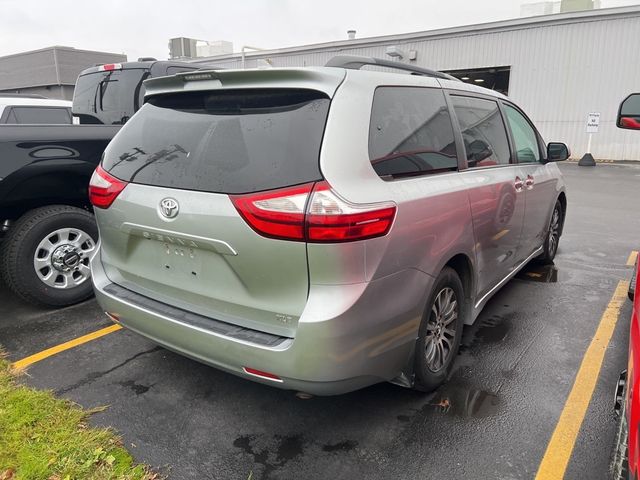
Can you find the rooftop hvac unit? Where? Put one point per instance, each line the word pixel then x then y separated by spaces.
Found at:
pixel 183 47
pixel 576 5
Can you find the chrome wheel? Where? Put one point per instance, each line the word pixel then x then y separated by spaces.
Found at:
pixel 554 232
pixel 61 259
pixel 441 329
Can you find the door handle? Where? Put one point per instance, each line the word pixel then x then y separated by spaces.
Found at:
pixel 519 184
pixel 529 182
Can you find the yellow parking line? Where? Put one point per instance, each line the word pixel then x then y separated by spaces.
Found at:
pixel 631 261
pixel 30 360
pixel 556 458
pixel 500 234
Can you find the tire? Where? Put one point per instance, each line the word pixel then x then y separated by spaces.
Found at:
pixel 45 255
pixel 553 235
pixel 437 346
pixel 620 461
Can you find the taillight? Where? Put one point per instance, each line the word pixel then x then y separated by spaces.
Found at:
pixel 104 188
pixel 332 219
pixel 275 214
pixel 313 213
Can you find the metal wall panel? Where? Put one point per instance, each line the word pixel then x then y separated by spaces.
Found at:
pixel 562 68
pixel 53 66
pixel 71 62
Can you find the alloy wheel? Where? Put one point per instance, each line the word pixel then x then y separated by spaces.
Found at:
pixel 441 329
pixel 61 259
pixel 554 231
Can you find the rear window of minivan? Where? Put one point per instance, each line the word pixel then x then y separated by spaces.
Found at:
pixel 233 141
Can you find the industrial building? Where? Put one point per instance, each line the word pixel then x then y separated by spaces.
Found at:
pixel 51 72
pixel 560 68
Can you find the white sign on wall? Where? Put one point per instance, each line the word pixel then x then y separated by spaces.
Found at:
pixel 593 122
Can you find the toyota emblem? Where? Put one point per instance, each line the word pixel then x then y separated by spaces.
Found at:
pixel 169 207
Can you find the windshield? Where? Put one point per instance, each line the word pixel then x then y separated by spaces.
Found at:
pixel 110 98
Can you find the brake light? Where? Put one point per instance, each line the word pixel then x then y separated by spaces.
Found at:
pixel 107 67
pixel 313 213
pixel 104 188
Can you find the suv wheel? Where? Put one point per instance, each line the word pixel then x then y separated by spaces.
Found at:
pixel 45 255
pixel 440 332
pixel 553 235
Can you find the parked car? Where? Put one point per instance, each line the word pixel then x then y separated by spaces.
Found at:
pixel 320 229
pixel 16 109
pixel 626 460
pixel 47 228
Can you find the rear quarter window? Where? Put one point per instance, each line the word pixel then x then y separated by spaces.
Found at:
pixel 411 132
pixel 234 141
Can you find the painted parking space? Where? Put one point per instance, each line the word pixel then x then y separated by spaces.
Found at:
pixel 495 418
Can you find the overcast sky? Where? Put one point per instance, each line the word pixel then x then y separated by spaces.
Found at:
pixel 143 27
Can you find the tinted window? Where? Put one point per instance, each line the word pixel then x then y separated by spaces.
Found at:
pixel 39 115
pixel 525 138
pixel 226 142
pixel 483 132
pixel 410 132
pixel 109 97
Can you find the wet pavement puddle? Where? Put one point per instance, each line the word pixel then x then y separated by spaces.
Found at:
pixel 493 329
pixel 541 274
pixel 462 402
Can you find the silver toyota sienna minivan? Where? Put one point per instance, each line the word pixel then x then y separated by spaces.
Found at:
pixel 320 229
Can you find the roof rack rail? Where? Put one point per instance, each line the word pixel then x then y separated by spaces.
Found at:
pixel 21 95
pixel 357 62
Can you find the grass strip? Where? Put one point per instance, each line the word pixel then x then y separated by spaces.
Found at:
pixel 45 438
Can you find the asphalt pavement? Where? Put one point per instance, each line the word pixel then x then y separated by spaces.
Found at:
pixel 492 420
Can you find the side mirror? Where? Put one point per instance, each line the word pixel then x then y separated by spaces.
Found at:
pixel 557 152
pixel 629 113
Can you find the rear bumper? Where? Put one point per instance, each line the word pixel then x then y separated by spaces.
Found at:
pixel 348 337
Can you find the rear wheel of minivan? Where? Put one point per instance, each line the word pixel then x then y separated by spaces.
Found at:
pixel 440 332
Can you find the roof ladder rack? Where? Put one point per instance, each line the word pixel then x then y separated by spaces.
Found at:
pixel 355 62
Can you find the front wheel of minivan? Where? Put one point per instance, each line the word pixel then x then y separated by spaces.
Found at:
pixel 553 236
pixel 440 332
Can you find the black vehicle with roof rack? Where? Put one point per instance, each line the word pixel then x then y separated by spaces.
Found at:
pixel 110 94
pixel 47 230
